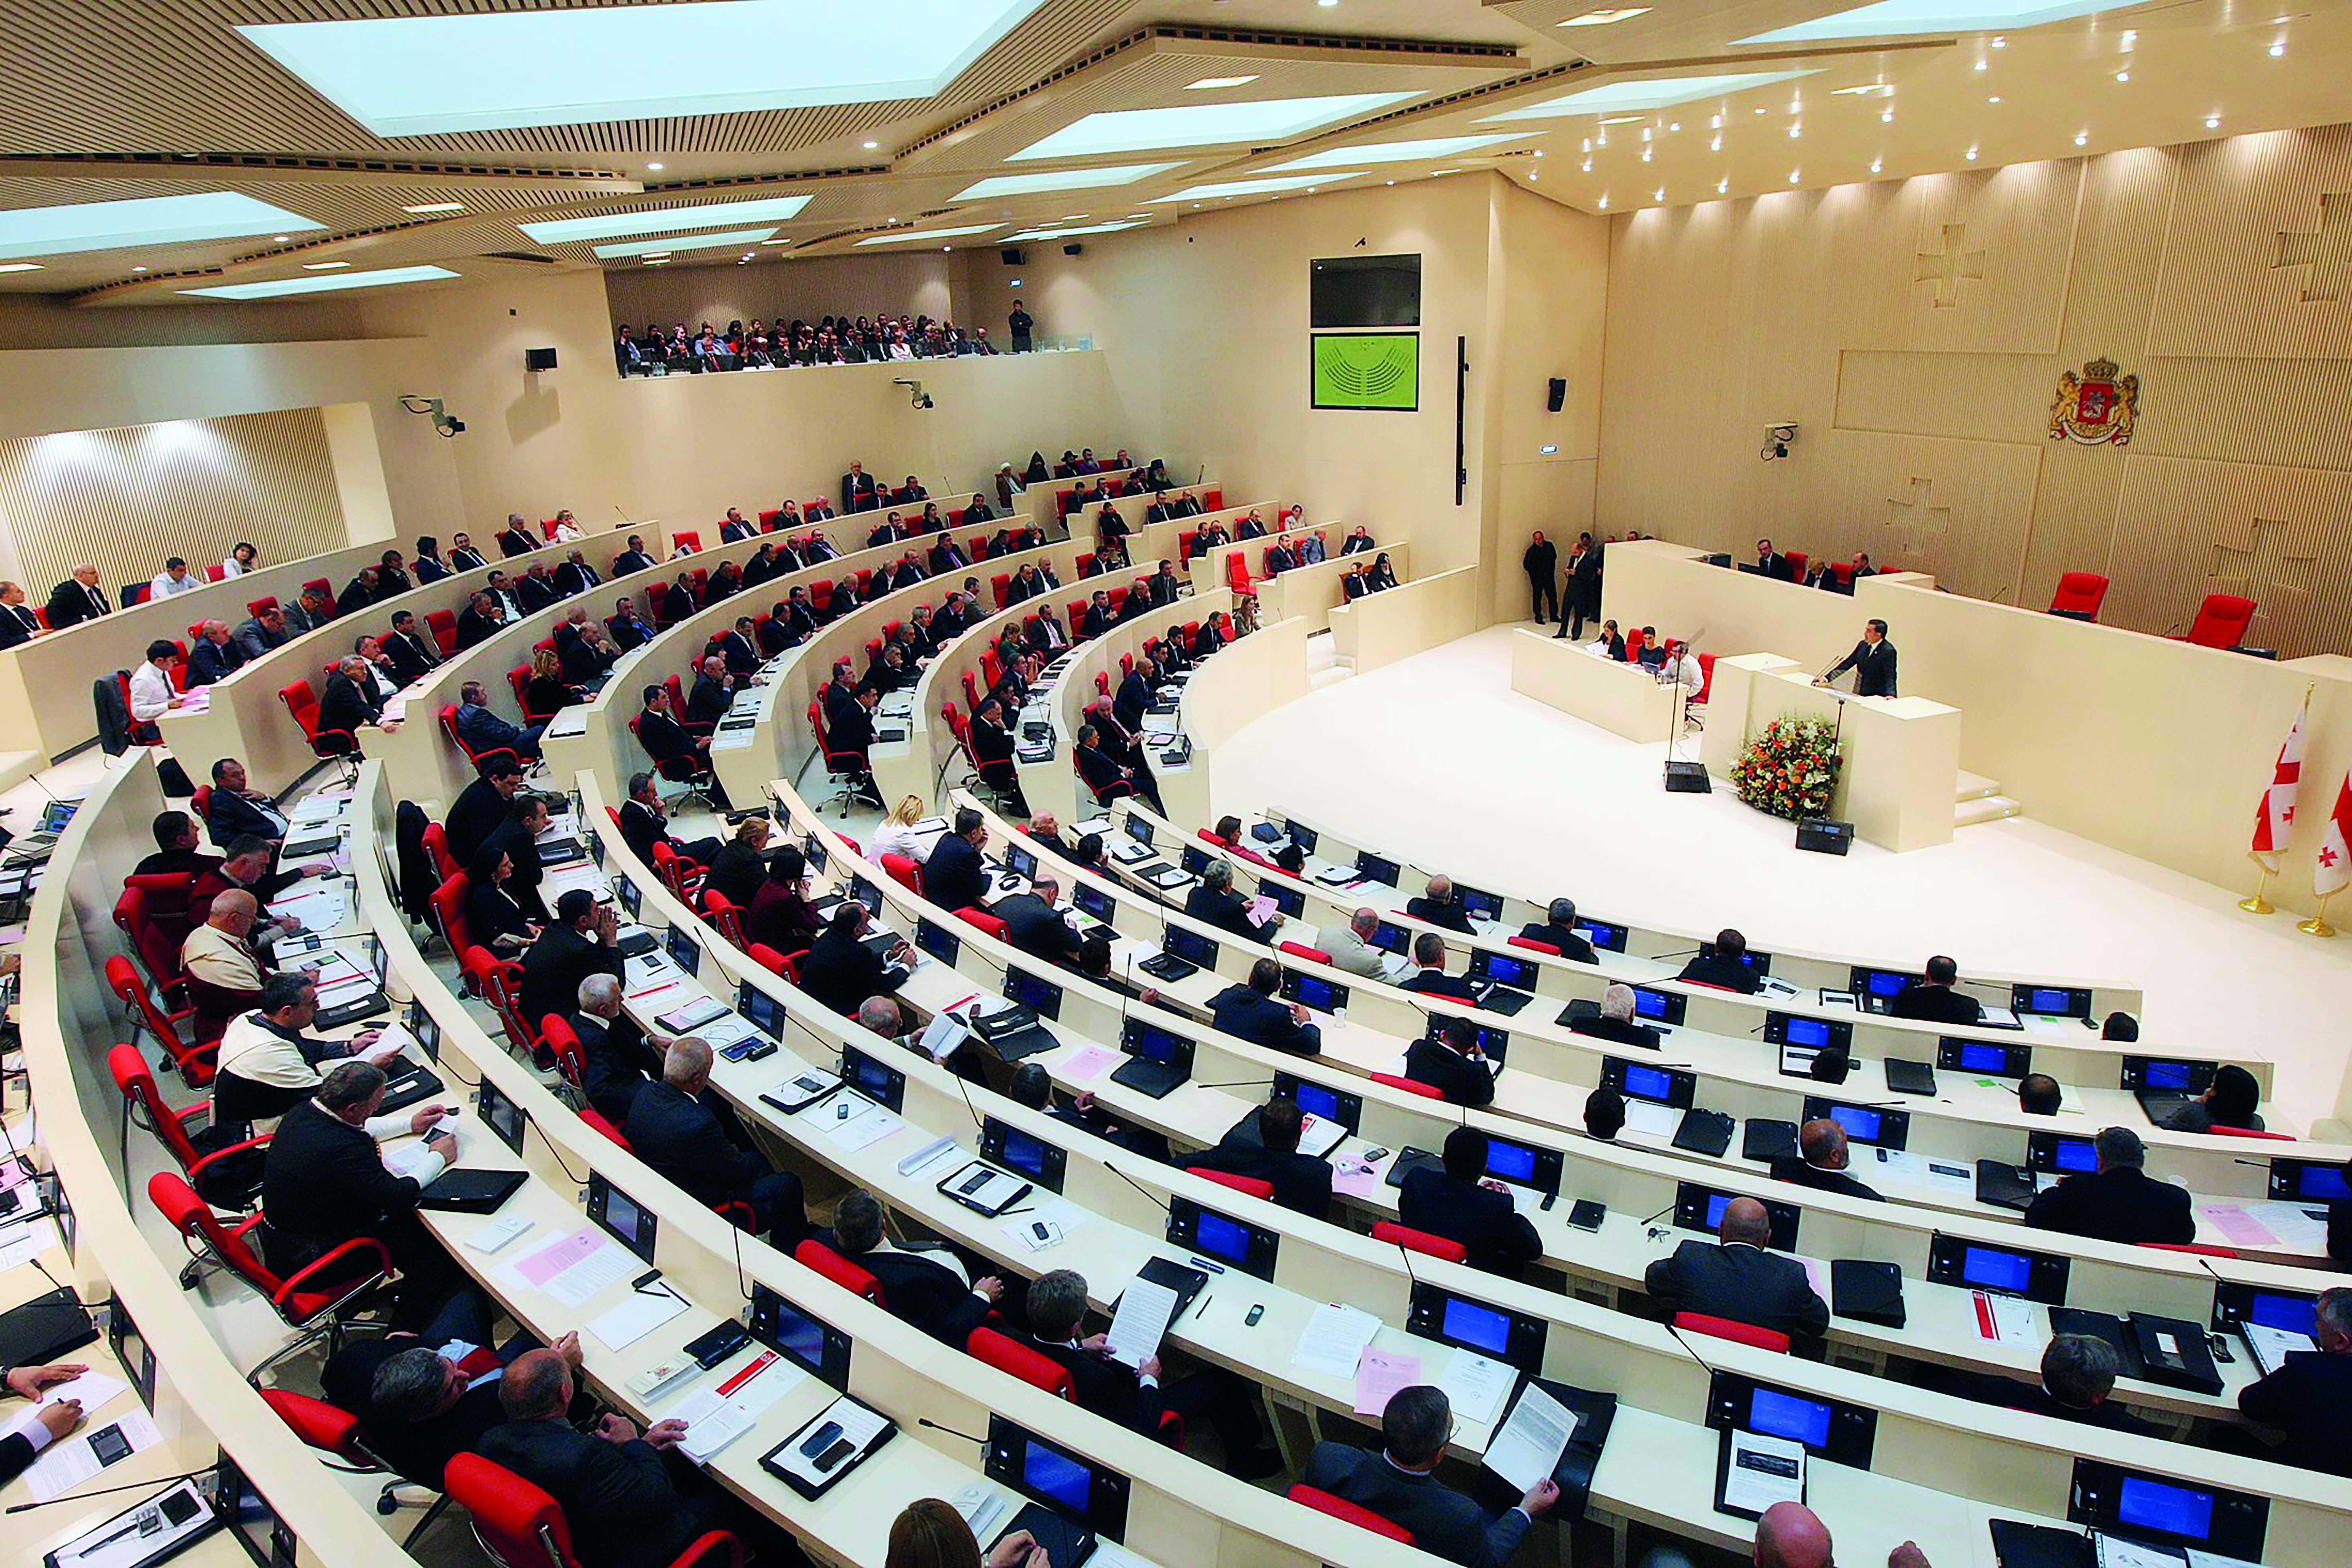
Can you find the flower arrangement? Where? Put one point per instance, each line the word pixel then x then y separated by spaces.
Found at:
pixel 1789 770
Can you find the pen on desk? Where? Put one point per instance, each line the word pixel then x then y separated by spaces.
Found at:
pixel 1200 1310
pixel 1198 1262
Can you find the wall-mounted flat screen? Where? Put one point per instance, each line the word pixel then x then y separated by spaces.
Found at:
pixel 1365 291
pixel 1366 369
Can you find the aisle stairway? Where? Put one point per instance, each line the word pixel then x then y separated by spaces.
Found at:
pixel 1977 799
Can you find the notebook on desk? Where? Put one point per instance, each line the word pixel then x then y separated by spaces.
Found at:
pixel 2004 1186
pixel 1910 1077
pixel 471 1191
pixel 1704 1132
pixel 1145 1076
pixel 1766 1139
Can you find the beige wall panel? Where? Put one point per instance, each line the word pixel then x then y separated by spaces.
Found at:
pixel 2074 524
pixel 1956 509
pixel 2118 259
pixel 2222 291
pixel 900 282
pixel 1994 244
pixel 2281 537
pixel 1980 397
pixel 126 499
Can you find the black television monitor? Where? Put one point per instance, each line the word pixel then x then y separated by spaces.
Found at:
pixel 1069 1483
pixel 2167 1511
pixel 938 941
pixel 501 1115
pixel 1313 991
pixel 1830 1429
pixel 1364 291
pixel 761 1010
pixel 684 950
pixel 1195 949
pixel 629 1222
pixel 1659 1006
pixel 810 1343
pixel 2003 1270
pixel 1881 1125
pixel 1006 1144
pixel 1222 1238
pixel 1467 1323
pixel 1039 995
pixel 1700 1208
pixel 1320 1100
pixel 876 1080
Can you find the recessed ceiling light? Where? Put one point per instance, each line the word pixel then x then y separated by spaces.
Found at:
pixel 666 220
pixel 1902 18
pixel 918 236
pixel 1676 125
pixel 1588 165
pixel 1877 163
pixel 1603 18
pixel 2131 37
pixel 1253 187
pixel 870 146
pixel 1604 200
pixel 1202 124
pixel 1328 5
pixel 380 279
pixel 28 267
pixel 423 207
pixel 1722 185
pixel 997 186
pixel 2212 123
pixel 1795 131
pixel 1716 145
pixel 1792 177
pixel 2000 43
pixel 324 265
pixel 775 241
pixel 2277 50
pixel 141 221
pixel 1645 154
pixel 1865 89
pixel 1643 93
pixel 1210 84
pixel 1887 117
pixel 2122 75
pixel 1972 154
pixel 1429 147
pixel 656 168
pixel 732 239
pixel 587 65
pixel 1622 118
pixel 1659 195
pixel 277 239
pixel 1994 98
pixel 138 269
pixel 1982 64
pixel 1645 133
pixel 2082 138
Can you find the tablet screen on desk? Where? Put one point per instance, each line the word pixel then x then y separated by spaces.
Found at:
pixel 1605 939
pixel 1800 1420
pixel 2144 1503
pixel 1660 1005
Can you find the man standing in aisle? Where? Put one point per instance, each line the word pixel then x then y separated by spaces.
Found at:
pixel 1022 323
pixel 1541 563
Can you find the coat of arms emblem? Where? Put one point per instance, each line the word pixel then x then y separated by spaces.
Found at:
pixel 2096 408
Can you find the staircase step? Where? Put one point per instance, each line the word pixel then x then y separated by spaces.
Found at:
pixel 1986 808
pixel 1974 786
pixel 1329 676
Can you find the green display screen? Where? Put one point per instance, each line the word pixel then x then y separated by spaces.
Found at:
pixel 1366 369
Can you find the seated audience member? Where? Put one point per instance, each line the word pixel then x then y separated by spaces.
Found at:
pixel 2228 1101
pixel 618 1495
pixel 176 848
pixel 932 1287
pixel 612 1049
pixel 516 538
pixel 238 810
pixel 1605 1114
pixel 1215 903
pixel 1820 1161
pixel 324 1183
pixel 1558 929
pixel 2117 1202
pixel 578 943
pixel 424 1399
pixel 359 593
pixel 244 863
pixel 897 835
pixel 739 867
pixel 1033 1086
pixel 841 971
pixel 430 567
pixel 18 624
pixel 629 628
pixel 1723 967
pixel 2078 1374
pixel 1034 926
pixel 1456 1199
pixel 1358 539
pixel 1137 1399
pixel 412 648
pixel 480 730
pixel 675 1132
pixel 215 657
pixel 955 877
pixel 1452 1065
pixel 480 621
pixel 587 657
pixel 546 691
pixel 479 809
pixel 1249 1011
pixel 1429 977
pixel 263 631
pixel 645 822
pixel 664 738
pixel 266 1065
pixel 1934 999
pixel 218 958
pixel 1440 905
pixel 518 836
pixel 1351 945
pixel 493 916
pixel 2038 1095
pixel 713 692
pixel 463 556
pixel 1736 1278
pixel 151 695
pixel 1264 1144
pixel 1094 961
pixel 930 1534
pixel 1400 1484
pixel 2307 1398
pixel 779 915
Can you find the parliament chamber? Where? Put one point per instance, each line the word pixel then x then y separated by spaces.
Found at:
pixel 1263 784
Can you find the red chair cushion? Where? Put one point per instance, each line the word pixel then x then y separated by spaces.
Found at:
pixel 1726 1328
pixel 1423 1241
pixel 1354 1513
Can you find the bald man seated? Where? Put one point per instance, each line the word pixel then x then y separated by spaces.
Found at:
pixel 1790 1535
pixel 1351 945
pixel 1441 905
pixel 1734 1276
pixel 1821 1160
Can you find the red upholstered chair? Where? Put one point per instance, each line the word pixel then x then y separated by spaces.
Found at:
pixel 1213 500
pixel 1634 645
pixel 1251 1187
pixel 845 769
pixel 312 1300
pixel 192 1058
pixel 501 984
pixel 856 1280
pixel 786 966
pixel 443 624
pixel 1301 950
pixel 340 745
pixel 158 954
pixel 1033 1367
pixel 1725 1328
pixel 520 1526
pixel 2195 1249
pixel 1532 944
pixel 563 1045
pixel 449 901
pixel 1237 576
pixel 981 919
pixel 448 717
pixel 904 871
pixel 1798 561
pixel 256 606
pixel 2222 1132
pixel 2079 595
pixel 2222 621
pixel 1362 1518
pixel 1706 681
pixel 598 1124
pixel 686 538
pixel 323 1427
pixel 682 876
pixel 723 914
pixel 1421 1241
pixel 1409 1085
pixel 437 845
pixel 216 1177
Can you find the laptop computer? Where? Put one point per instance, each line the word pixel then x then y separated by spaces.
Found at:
pixel 2004 1186
pixel 466 1191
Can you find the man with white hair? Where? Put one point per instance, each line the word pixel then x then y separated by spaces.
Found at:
pixel 678 1136
pixel 215 657
pixel 612 1048
pixel 349 702
pixel 1615 1020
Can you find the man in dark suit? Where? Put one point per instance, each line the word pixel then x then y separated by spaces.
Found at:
pixel 1033 924
pixel 480 730
pixel 1137 1399
pixel 75 599
pixel 612 1049
pixel 1215 903
pixel 175 847
pixel 575 575
pixel 1135 696
pixel 1820 1161
pixel 348 702
pixel 735 526
pixel 675 1132
pixel 576 944
pixel 1771 562
pixel 1250 1012
pixel 324 1183
pixel 479 809
pixel 713 692
pixel 954 876
pixel 626 627
pixel 842 972
pixel 2307 1395
pixel 858 493
pixel 2078 1374
pixel 1100 617
pixel 1558 929
pixel 412 649
pixel 1401 1485
pixel 645 822
pixel 1441 905
pixel 215 657
pixel 1429 977
pixel 535 590
pixel 480 622
pixel 1934 999
pixel 515 538
pixel 1871 661
pixel 634 559
pixel 947 555
pixel 421 1407
pixel 237 812
pixel 664 737
pixel 931 1288
pixel 2119 1201
pixel 1725 966
pixel 18 624
pixel 1457 1199
pixel 1736 1278
pixel 1264 1144
pixel 1615 1020
pixel 358 594
pixel 1452 1065
pixel 616 1493
pixel 463 556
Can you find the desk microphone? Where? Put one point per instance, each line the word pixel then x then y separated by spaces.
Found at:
pixel 1660 1215
pixel 1262 1083
pixel 965 1090
pixel 1137 1185
pixel 1686 1346
pixel 934 1425
pixel 159 1483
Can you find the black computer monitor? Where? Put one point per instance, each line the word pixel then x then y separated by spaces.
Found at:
pixel 426 1029
pixel 131 1349
pixel 1195 949
pixel 1020 862
pixel 1153 1043
pixel 1830 1429
pixel 1605 937
pixel 1494 1042
pixel 1519 974
pixel 813 854
pixel 1391 937
pixel 684 950
pixel 1468 1324
pixel 629 1222
pixel 1304 837
pixel 2289 1310
pixel 1885 1128
pixel 1659 1006
pixel 1809 1033
pixel 2168 1511
pixel 1700 1208
pixel 1193 859
pixel 632 899
pixel 2050 1001
pixel 2309 1181
pixel 1988 1057
pixel 1377 868
pixel 1523 1164
pixel 1313 991
pixel 1093 900
pixel 876 1080
pixel 938 941
pixel 2174 1074
pixel 501 1115
pixel 2004 1271
pixel 2061 1154
pixel 1752 961
pixel 1069 1483
pixel 801 1337
pixel 1043 1163
pixel 1477 903
pixel 1290 901
pixel 1320 1100
pixel 1039 995
pixel 761 1010
pixel 1139 828
pixel 1863 980
pixel 1670 1086
pixel 1222 1238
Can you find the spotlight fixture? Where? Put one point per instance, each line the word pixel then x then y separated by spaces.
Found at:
pixel 445 424
pixel 917 398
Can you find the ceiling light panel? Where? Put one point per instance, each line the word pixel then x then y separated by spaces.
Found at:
pixel 728 240
pixel 1643 92
pixel 1061 180
pixel 142 220
pixel 667 220
pixel 1889 18
pixel 1204 125
pixel 912 237
pixel 1255 187
pixel 1067 232
pixel 1427 147
pixel 421 76
pixel 382 278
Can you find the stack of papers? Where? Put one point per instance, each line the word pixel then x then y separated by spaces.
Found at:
pixel 2270 1347
pixel 1334 1340
pixel 1380 1376
pixel 643 1312
pixel 1527 1447
pixel 573 1268
pixel 1475 1386
pixel 1762 1471
pixel 1144 1308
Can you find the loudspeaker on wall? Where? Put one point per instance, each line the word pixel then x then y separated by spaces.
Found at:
pixel 1559 393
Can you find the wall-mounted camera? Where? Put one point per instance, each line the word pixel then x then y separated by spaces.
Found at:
pixel 1778 438
pixel 917 396
pixel 445 424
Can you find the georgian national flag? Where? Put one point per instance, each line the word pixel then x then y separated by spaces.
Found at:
pixel 2331 867
pixel 2276 815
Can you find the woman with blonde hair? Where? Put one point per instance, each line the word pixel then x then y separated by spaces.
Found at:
pixel 546 691
pixel 897 835
pixel 930 1534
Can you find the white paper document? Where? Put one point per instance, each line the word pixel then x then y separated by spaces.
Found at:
pixel 1763 1471
pixel 1651 1119
pixel 712 1421
pixel 71 1460
pixel 1334 1340
pixel 93 1389
pixel 1144 1308
pixel 942 1035
pixel 1475 1386
pixel 643 1312
pixel 2270 1345
pixel 2005 1319
pixel 870 1125
pixel 1528 1446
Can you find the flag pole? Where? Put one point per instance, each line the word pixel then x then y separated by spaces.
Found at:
pixel 2254 903
pixel 2317 925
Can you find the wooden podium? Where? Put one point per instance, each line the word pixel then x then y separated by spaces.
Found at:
pixel 1902 755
